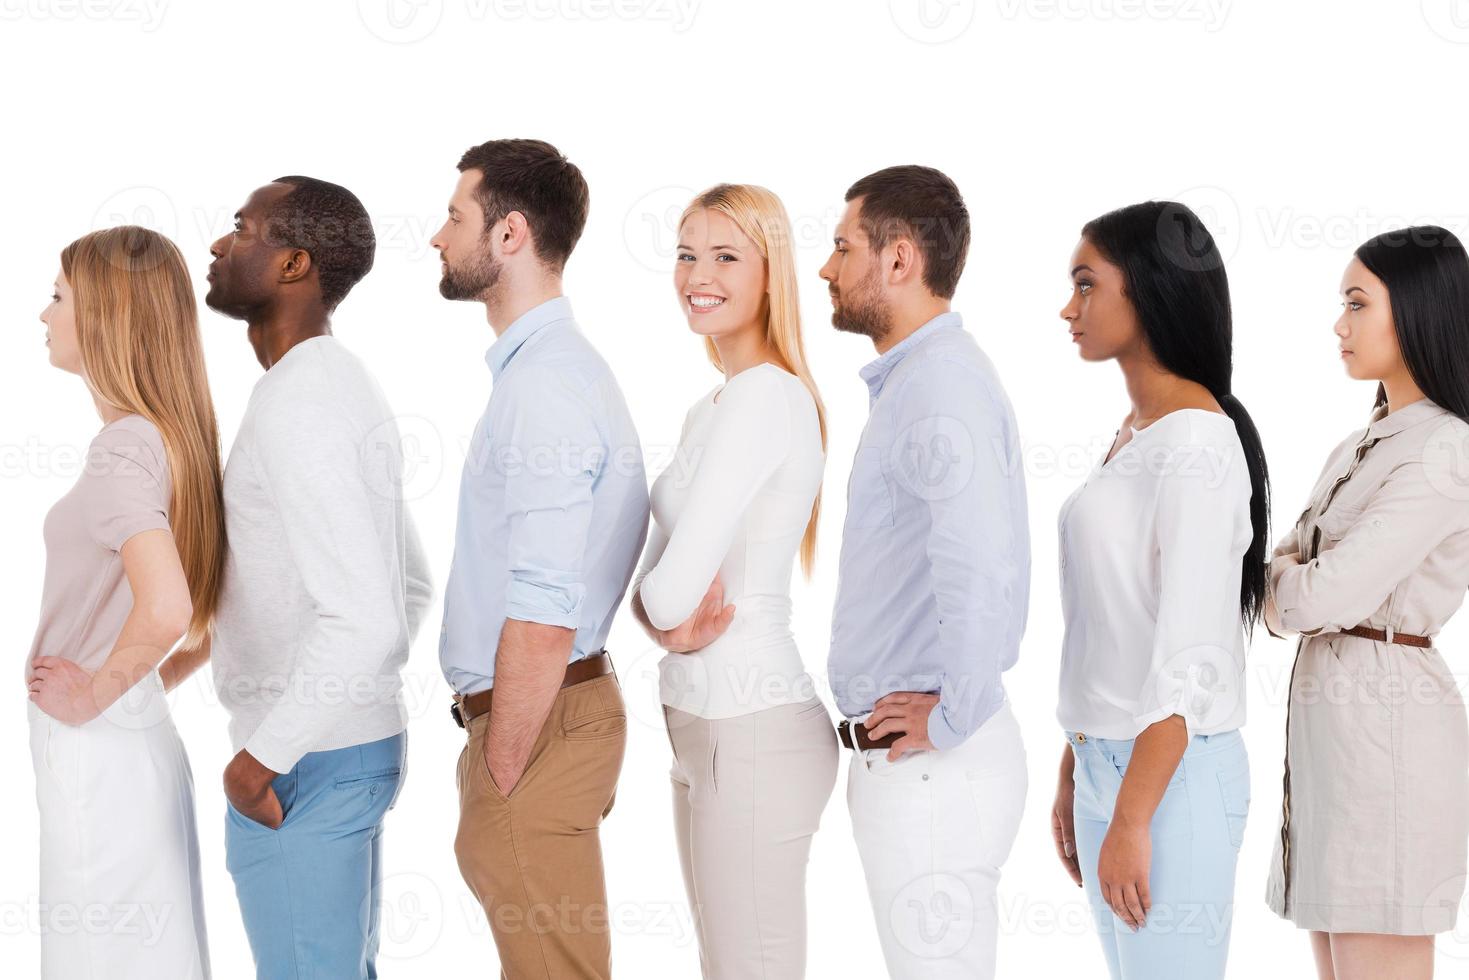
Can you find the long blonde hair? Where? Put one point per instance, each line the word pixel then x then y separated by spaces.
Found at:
pixel 137 328
pixel 759 214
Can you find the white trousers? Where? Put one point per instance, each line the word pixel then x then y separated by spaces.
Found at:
pixel 933 830
pixel 121 897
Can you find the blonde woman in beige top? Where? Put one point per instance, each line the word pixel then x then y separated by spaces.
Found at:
pixel 134 556
pixel 1372 844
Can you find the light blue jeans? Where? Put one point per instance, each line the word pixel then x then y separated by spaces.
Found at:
pixel 1196 835
pixel 309 890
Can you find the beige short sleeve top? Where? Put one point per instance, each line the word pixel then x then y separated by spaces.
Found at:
pixel 1384 541
pixel 125 487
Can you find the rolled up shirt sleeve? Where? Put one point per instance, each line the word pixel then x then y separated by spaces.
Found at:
pixel 955 457
pixel 551 452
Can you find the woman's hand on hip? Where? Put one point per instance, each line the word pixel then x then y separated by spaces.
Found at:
pixel 63 690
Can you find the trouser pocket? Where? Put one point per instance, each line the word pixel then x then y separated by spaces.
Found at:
pixel 1234 792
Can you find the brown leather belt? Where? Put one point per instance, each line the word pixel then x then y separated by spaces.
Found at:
pixel 848 732
pixel 467 706
pixel 1389 636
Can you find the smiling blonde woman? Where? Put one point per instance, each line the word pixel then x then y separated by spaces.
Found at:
pixel 755 754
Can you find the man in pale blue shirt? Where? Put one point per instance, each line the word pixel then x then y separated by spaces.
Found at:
pixel 552 498
pixel 553 511
pixel 933 584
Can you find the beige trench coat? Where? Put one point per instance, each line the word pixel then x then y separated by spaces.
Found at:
pixel 1375 819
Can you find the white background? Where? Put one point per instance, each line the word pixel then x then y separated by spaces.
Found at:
pixel 1297 131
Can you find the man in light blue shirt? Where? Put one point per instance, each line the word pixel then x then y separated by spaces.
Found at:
pixel 935 562
pixel 553 511
pixel 933 584
pixel 553 501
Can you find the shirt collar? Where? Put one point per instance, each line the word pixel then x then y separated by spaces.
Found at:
pixel 1385 423
pixel 525 326
pixel 875 373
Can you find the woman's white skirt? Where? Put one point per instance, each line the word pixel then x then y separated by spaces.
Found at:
pixel 121 896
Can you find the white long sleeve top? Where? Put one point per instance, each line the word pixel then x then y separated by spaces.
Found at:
pixel 325 581
pixel 1152 551
pixel 735 502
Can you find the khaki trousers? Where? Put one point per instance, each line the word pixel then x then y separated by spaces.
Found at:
pixel 533 859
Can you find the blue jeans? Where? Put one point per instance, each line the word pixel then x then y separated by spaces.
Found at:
pixel 1196 834
pixel 309 890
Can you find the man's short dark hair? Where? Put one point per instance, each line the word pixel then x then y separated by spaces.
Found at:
pixel 532 177
pixel 330 224
pixel 922 204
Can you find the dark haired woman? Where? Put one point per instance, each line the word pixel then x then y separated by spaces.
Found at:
pixel 1162 568
pixel 1371 853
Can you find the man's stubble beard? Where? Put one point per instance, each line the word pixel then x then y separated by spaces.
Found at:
pixel 864 313
pixel 474 282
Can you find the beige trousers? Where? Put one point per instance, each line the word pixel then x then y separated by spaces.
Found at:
pixel 747 797
pixel 533 859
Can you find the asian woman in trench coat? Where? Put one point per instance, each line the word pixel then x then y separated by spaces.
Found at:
pixel 1372 846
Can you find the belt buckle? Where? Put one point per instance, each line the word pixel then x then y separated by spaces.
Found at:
pixel 844 733
pixel 455 713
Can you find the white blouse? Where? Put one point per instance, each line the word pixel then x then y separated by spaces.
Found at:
pixel 735 501
pixel 1152 548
